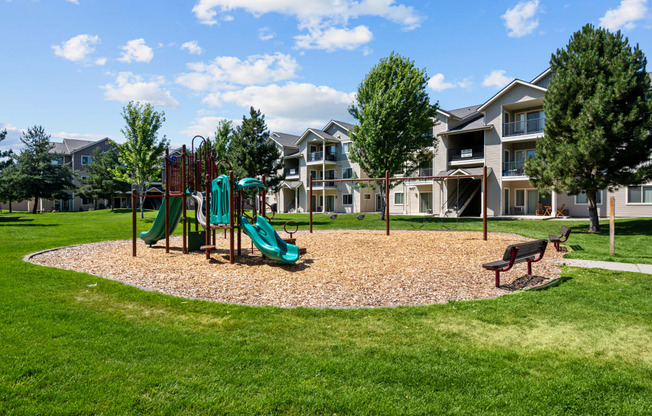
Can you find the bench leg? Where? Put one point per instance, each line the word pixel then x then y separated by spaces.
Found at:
pixel 497 278
pixel 529 268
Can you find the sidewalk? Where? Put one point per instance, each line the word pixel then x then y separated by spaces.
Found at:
pixel 609 265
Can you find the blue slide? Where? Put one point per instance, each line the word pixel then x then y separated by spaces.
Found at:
pixel 268 241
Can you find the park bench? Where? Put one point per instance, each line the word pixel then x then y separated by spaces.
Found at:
pixel 517 253
pixel 556 239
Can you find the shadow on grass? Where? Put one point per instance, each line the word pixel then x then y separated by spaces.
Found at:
pixel 15 219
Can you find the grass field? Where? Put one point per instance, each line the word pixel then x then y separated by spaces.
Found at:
pixel 76 344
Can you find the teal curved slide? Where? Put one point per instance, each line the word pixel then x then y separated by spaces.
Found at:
pixel 157 232
pixel 268 241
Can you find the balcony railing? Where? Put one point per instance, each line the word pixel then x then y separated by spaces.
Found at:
pixel 469 153
pixel 523 127
pixel 318 156
pixel 322 184
pixel 513 168
pixel 421 172
pixel 291 172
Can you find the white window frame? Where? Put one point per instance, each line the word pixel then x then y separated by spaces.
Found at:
pixel 600 196
pixel 637 203
pixel 402 197
pixel 346 148
pixel 366 196
pixel 90 160
pixel 524 198
pixel 344 176
pixel 344 203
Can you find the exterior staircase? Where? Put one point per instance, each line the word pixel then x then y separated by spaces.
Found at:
pixel 454 206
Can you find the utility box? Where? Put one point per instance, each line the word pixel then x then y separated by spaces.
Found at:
pixel 196 239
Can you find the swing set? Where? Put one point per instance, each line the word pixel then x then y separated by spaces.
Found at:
pixel 387 181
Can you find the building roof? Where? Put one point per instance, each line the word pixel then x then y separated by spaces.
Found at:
pixel 347 126
pixel 464 112
pixel 60 149
pixel 320 133
pixel 507 88
pixel 464 171
pixel 472 124
pixel 284 139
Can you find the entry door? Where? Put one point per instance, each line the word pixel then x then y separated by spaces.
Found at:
pixel 315 205
pixel 425 202
pixel 379 205
pixel 506 201
pixel 330 203
pixel 532 200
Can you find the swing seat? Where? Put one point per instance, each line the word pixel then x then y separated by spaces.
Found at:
pixel 360 217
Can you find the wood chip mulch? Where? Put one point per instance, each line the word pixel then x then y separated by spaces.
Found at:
pixel 341 269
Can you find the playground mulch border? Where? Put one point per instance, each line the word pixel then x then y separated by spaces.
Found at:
pixel 341 269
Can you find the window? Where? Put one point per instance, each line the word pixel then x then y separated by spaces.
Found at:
pixel 639 194
pixel 85 160
pixel 58 160
pixel 367 196
pixel 520 198
pixel 346 147
pixel 86 201
pixel 347 199
pixel 581 199
pixel 398 198
pixel 347 173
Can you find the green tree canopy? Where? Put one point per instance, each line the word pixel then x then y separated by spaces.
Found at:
pixel 9 189
pixel 35 175
pixel 395 119
pixel 141 153
pixel 101 182
pixel 251 154
pixel 598 111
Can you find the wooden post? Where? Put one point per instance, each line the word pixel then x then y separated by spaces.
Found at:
pixel 231 218
pixel 240 213
pixel 262 198
pixel 207 187
pixel 167 199
pixel 612 225
pixel 484 202
pixel 310 201
pixel 184 197
pixel 133 222
pixel 386 202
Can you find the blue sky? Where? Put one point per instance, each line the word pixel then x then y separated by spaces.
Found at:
pixel 71 65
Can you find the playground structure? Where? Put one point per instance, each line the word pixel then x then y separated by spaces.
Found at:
pixel 219 203
pixel 387 179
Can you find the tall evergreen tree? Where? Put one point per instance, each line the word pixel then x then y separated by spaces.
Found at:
pixel 101 182
pixel 9 189
pixel 35 175
pixel 598 111
pixel 395 120
pixel 141 153
pixel 250 153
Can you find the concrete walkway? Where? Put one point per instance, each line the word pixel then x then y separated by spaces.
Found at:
pixel 609 265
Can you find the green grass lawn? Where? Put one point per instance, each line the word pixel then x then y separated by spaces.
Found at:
pixel 73 343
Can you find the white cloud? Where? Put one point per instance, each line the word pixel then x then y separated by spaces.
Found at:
pixel 437 83
pixel 128 87
pixel 520 20
pixel 225 70
pixel 205 126
pixel 625 15
pixel 192 47
pixel 303 104
pixel 79 136
pixel 496 78
pixel 73 2
pixel 12 140
pixel 76 48
pixel 311 10
pixel 100 61
pixel 265 33
pixel 136 50
pixel 331 38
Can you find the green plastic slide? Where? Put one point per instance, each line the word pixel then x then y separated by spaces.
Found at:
pixel 157 232
pixel 268 241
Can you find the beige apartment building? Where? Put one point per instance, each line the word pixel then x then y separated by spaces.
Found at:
pixel 500 134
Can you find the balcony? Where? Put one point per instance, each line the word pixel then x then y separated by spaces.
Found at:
pixel 421 172
pixel 514 169
pixel 466 155
pixel 291 172
pixel 523 127
pixel 319 156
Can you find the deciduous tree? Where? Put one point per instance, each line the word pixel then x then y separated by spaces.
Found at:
pixel 141 153
pixel 101 182
pixel 598 111
pixel 395 120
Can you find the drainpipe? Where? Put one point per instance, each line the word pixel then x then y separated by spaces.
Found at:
pixel 554 204
pixel 323 173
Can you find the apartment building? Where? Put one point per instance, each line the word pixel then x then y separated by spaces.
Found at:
pixel 501 134
pixel 78 155
pixel 321 154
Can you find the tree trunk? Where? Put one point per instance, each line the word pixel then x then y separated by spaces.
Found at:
pixel 141 199
pixel 594 223
pixel 35 205
pixel 383 203
pixel 10 206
